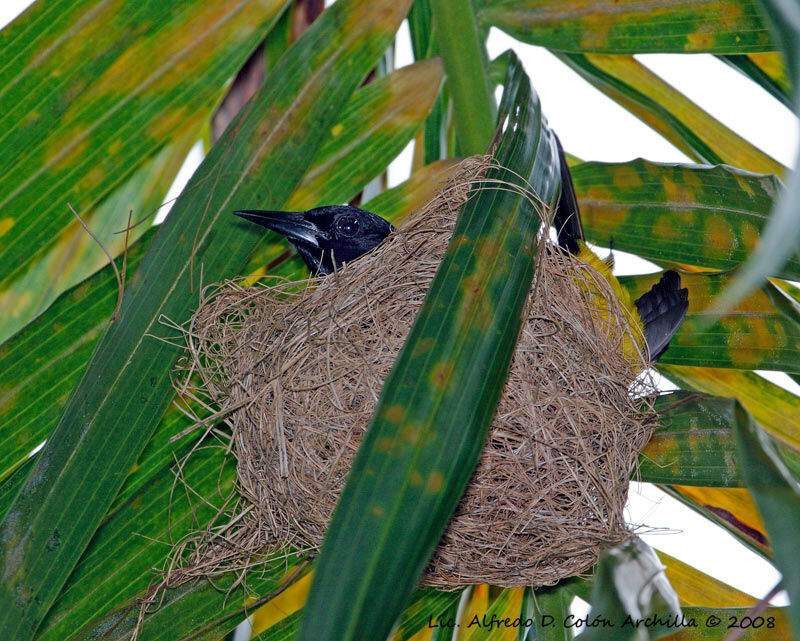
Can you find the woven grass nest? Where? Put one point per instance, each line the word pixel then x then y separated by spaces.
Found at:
pixel 296 369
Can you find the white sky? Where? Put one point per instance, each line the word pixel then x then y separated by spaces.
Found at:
pixel 593 127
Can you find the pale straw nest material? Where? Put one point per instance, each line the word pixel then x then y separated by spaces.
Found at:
pixel 296 369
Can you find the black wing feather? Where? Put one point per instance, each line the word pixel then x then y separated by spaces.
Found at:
pixel 662 310
pixel 567 218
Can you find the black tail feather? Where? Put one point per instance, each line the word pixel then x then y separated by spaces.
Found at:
pixel 662 310
pixel 567 219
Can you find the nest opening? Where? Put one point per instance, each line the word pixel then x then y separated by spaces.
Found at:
pixel 296 370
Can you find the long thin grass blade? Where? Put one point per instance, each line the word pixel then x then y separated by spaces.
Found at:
pixel 775 409
pixel 781 237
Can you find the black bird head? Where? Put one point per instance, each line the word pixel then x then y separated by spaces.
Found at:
pixel 327 236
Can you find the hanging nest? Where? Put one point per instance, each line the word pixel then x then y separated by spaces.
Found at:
pixel 296 369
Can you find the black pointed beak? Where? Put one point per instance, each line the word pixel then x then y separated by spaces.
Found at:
pixel 291 224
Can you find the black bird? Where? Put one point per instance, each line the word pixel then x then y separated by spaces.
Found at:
pixel 660 311
pixel 327 236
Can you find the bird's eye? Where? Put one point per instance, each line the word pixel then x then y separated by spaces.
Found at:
pixel 347 226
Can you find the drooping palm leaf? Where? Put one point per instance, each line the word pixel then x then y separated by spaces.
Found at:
pixel 780 238
pixel 706 216
pixel 609 26
pixel 91 89
pixel 777 494
pixel 126 386
pixel 693 444
pixel 659 105
pixel 387 520
pixel 134 543
pixel 467 80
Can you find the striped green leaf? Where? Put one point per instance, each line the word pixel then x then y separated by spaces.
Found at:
pixel 527 610
pixel 64 337
pixel 377 122
pixel 126 386
pixel 711 217
pixel 40 364
pixel 754 335
pixel 75 255
pixel 781 236
pixel 186 609
pixel 10 486
pixel 693 444
pixel 670 113
pixel 439 398
pixel 781 18
pixel 775 409
pixel 552 609
pixel 467 80
pixel 777 494
pixel 636 26
pixel 768 70
pixel 443 631
pixel 89 89
pixel 432 143
pixel 134 534
pixel 787 288
pixel 147 513
pixel 426 605
pixel 506 605
pixel 285 630
pixel 420 26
